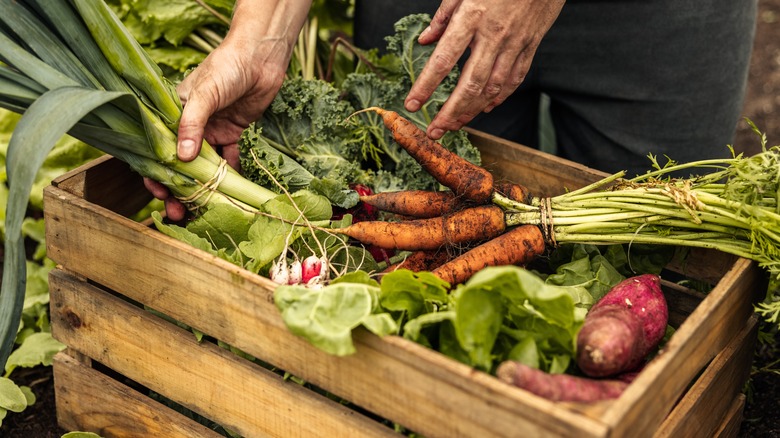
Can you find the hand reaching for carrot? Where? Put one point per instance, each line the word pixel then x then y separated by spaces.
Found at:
pixel 503 36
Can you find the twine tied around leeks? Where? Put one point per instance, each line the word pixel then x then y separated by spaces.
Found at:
pixel 207 189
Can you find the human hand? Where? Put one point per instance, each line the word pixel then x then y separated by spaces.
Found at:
pixel 503 36
pixel 236 82
pixel 221 98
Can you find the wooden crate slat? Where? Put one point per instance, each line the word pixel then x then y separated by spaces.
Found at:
pixel 706 331
pixel 716 390
pixel 733 420
pixel 88 400
pixel 203 377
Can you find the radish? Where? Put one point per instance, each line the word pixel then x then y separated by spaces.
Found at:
pixel 296 273
pixel 623 327
pixel 313 269
pixel 280 272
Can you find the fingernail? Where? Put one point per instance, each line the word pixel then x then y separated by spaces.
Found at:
pixel 186 148
pixel 413 105
pixel 437 134
pixel 424 32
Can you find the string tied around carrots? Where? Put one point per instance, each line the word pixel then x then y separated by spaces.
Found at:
pixel 546 221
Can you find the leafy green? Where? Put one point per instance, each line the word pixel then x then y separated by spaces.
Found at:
pixel 12 398
pixel 309 134
pixel 327 316
pixel 500 313
pixel 37 349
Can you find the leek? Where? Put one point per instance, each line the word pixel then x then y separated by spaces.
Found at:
pixel 70 66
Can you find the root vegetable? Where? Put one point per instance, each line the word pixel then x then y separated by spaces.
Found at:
pixel 467 225
pixel 419 204
pixel 421 261
pixel 513 191
pixel 450 169
pixel 517 246
pixel 559 387
pixel 623 327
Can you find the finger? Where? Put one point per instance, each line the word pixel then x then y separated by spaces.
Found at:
pixel 481 81
pixel 231 154
pixel 439 22
pixel 174 209
pixel 157 189
pixel 194 117
pixel 439 65
pixel 514 79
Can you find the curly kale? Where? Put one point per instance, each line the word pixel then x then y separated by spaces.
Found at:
pixel 310 137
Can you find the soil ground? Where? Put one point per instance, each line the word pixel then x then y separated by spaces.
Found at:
pixel 762 106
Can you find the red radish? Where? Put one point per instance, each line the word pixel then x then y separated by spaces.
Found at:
pixel 559 387
pixel 313 269
pixel 623 327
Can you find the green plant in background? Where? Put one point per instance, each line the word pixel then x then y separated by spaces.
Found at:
pixel 34 343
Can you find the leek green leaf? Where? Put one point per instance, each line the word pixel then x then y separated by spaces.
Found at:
pixel 28 148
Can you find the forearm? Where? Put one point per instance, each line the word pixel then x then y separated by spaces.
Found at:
pixel 261 21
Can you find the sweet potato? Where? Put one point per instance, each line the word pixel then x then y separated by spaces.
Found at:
pixel 623 327
pixel 559 387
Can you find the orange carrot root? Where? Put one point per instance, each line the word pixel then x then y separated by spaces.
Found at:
pixel 451 170
pixel 415 203
pixel 517 246
pixel 513 191
pixel 559 387
pixel 467 225
pixel 420 261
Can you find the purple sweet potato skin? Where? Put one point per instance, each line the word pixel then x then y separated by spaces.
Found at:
pixel 559 387
pixel 642 295
pixel 611 341
pixel 623 327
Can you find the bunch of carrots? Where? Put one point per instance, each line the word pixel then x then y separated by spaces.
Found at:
pixel 479 222
pixel 437 223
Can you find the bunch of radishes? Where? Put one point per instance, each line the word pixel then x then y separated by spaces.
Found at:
pixel 311 272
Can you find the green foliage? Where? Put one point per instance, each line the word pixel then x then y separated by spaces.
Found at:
pixel 500 313
pixel 326 316
pixel 13 398
pixel 305 136
pixel 175 33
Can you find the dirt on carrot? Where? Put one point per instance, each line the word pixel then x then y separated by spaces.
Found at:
pixel 513 191
pixel 517 246
pixel 451 170
pixel 419 261
pixel 468 225
pixel 419 204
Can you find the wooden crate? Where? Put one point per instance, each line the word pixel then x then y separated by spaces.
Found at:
pixel 111 269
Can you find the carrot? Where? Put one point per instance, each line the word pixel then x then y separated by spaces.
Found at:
pixel 519 245
pixel 420 261
pixel 559 387
pixel 451 170
pixel 511 190
pixel 414 203
pixel 467 225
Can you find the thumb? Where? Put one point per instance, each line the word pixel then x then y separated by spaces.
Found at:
pixel 194 117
